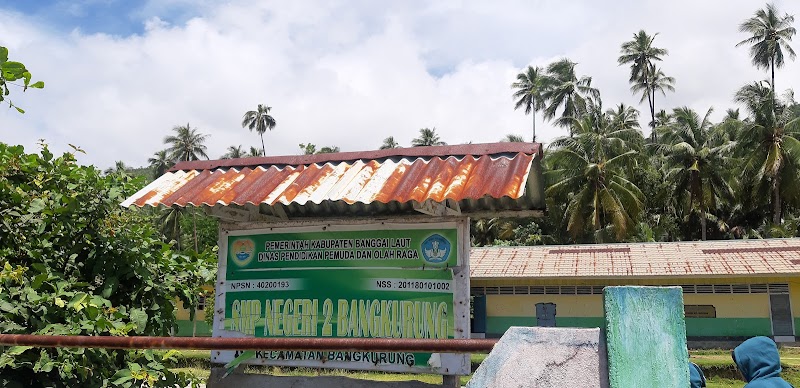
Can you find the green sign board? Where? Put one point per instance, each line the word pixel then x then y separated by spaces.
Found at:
pixel 409 248
pixel 395 283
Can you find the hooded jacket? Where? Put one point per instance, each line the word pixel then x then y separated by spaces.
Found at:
pixel 760 364
pixel 696 377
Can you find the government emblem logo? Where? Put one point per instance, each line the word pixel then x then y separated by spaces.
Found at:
pixel 436 249
pixel 242 251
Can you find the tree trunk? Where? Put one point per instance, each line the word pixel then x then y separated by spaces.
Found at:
pixel 703 225
pixel 534 121
pixel 194 222
pixel 772 68
pixel 263 149
pixel 654 135
pixel 776 200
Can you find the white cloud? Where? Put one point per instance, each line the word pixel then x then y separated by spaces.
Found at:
pixel 351 73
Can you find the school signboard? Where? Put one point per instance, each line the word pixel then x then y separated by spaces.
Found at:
pixel 377 280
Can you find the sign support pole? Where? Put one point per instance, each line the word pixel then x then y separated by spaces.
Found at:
pixel 450 381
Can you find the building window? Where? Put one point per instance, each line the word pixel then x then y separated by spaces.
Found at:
pixel 700 311
pixel 201 302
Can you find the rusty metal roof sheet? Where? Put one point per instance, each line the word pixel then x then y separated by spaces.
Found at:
pixel 642 260
pixel 498 176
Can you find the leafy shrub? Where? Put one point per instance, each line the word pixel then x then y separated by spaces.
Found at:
pixel 73 262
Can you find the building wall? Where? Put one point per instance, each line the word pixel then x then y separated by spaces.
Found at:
pixel 188 328
pixel 504 311
pixel 794 295
pixel 737 314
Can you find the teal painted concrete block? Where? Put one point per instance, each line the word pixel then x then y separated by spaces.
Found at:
pixel 646 337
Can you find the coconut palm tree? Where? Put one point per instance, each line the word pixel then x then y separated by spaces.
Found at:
pixel 169 225
pixel 695 152
pixel 641 55
pixel 624 117
pixel 731 114
pixel 566 91
pixel 662 118
pixel 234 152
pixel 770 36
pixel 389 143
pixel 657 82
pixel 530 87
pixel 427 137
pixel 186 144
pixel 485 231
pixel 769 143
pixel 260 121
pixel 160 163
pixel 254 152
pixel 511 138
pixel 308 148
pixel 588 171
pixel 119 168
pixel 604 134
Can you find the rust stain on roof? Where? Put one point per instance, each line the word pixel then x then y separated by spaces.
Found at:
pixel 467 172
pixel 750 250
pixel 642 260
pixel 590 250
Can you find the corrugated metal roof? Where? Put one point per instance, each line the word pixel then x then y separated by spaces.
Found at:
pixel 498 176
pixel 677 259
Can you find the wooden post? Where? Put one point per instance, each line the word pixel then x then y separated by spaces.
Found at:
pixel 451 381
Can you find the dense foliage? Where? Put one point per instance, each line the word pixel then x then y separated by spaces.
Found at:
pixel 692 178
pixel 74 262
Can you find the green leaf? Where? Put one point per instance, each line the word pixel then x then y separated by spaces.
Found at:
pixel 38 280
pixel 122 376
pixel 134 367
pixel 12 71
pixel 36 206
pixel 110 286
pixel 170 355
pixel 20 110
pixel 45 363
pixel 3 54
pixel 60 302
pixel 246 355
pixel 139 318
pixel 17 350
pixel 38 85
pixel 78 302
pixel 8 307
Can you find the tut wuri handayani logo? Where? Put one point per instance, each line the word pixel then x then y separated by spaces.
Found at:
pixel 436 249
pixel 242 251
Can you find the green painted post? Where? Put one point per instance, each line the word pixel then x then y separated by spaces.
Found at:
pixel 646 337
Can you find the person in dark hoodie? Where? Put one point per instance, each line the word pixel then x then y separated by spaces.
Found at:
pixel 760 363
pixel 696 377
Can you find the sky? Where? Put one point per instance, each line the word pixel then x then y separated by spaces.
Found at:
pixel 120 74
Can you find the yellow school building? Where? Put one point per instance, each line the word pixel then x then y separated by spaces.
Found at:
pixel 732 289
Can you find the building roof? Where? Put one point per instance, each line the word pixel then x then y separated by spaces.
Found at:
pixel 641 260
pixel 441 179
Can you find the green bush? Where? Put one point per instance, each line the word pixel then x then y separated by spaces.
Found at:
pixel 73 262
